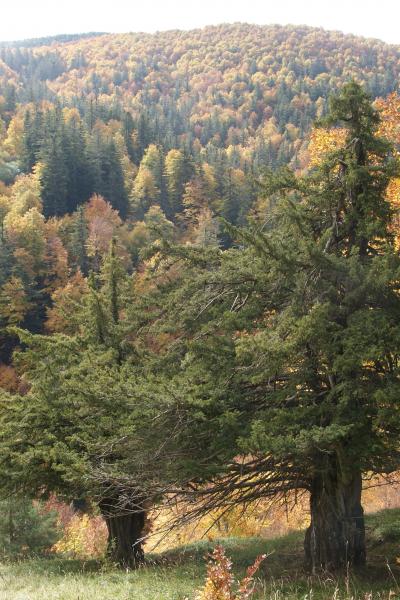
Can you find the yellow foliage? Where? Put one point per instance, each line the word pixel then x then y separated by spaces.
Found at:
pixel 259 519
pixel 323 141
pixel 13 142
pixel 4 208
pixel 389 126
pixel 25 192
pixel 84 537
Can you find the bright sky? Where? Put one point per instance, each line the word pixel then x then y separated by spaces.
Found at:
pixel 37 18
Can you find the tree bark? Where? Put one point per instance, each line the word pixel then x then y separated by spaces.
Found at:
pixel 125 530
pixel 336 536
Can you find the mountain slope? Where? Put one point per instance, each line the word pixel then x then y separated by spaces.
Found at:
pixel 229 85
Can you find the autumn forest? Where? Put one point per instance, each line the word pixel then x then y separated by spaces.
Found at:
pixel 200 310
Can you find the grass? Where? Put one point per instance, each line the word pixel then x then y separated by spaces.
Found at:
pixel 174 575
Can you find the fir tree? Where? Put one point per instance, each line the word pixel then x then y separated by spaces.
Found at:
pixel 287 348
pixel 84 413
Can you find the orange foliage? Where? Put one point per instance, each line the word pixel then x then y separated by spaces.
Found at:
pixel 66 300
pixel 14 303
pixel 390 113
pixel 220 580
pixel 103 223
pixel 56 261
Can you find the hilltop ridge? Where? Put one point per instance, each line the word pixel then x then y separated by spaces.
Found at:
pixel 247 87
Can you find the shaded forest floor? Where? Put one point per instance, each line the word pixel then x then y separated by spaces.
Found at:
pixel 176 574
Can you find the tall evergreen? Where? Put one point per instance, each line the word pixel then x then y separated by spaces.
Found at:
pixel 128 132
pixel 79 177
pixel 78 237
pixel 54 177
pixel 107 178
pixel 84 415
pixel 32 139
pixel 113 184
pixel 287 347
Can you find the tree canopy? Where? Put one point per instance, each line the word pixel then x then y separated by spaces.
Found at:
pixel 222 374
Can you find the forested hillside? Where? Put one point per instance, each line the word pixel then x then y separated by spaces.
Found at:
pixel 163 127
pixel 248 89
pixel 185 261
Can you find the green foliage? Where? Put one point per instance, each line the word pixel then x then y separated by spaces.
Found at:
pixel 75 164
pixel 26 529
pixel 287 349
pixel 283 347
pixel 320 311
pixel 253 106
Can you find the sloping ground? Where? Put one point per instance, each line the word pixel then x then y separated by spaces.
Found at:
pixel 174 575
pixel 241 86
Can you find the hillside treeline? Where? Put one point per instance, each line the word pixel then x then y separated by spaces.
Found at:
pixel 195 294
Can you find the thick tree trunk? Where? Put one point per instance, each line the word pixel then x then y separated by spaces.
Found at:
pixel 336 536
pixel 125 530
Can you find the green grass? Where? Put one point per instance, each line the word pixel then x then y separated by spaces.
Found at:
pixel 174 575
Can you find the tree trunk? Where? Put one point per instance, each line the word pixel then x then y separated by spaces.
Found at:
pixel 125 530
pixel 336 536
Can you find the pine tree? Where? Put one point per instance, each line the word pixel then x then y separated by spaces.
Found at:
pixel 177 171
pixel 78 237
pixel 113 180
pixel 128 133
pixel 79 176
pixel 32 139
pixel 26 529
pixel 106 172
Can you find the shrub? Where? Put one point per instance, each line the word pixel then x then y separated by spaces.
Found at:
pixel 84 537
pixel 25 528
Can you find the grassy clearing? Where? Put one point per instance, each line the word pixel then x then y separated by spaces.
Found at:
pixel 174 575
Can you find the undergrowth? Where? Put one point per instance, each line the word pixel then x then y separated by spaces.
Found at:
pixel 181 573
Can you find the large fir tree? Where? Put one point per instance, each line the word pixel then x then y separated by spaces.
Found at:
pixel 287 348
pixel 69 434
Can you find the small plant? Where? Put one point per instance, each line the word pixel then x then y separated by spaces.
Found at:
pixel 220 581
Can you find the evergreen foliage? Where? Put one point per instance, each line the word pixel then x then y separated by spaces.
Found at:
pixel 164 350
pixel 286 351
pixel 26 529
